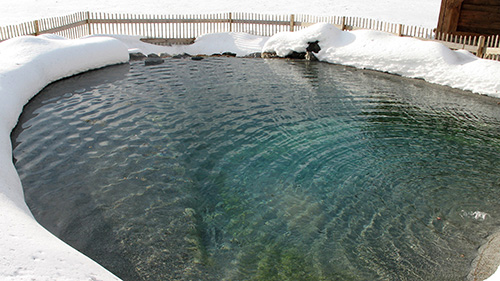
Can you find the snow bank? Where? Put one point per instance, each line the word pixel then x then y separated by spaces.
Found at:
pixel 386 52
pixel 216 43
pixel 28 64
pixel 421 13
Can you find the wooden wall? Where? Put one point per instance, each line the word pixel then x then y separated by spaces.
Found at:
pixel 469 17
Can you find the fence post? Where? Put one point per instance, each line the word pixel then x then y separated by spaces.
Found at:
pixel 400 30
pixel 230 22
pixel 481 46
pixel 88 22
pixel 37 28
pixel 342 27
pixel 292 22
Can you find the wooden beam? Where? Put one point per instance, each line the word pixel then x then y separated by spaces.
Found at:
pixel 61 28
pixel 492 51
pixel 449 15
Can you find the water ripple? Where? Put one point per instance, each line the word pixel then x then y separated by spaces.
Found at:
pixel 235 169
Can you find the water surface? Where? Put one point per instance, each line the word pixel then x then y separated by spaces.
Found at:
pixel 245 169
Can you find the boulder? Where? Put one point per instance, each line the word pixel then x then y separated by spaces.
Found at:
pixel 182 56
pixel 313 47
pixel 137 56
pixel 228 54
pixel 269 55
pixel 296 55
pixel 153 59
pixel 253 55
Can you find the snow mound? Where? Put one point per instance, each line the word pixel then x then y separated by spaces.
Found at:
pixel 410 57
pixel 28 64
pixel 215 43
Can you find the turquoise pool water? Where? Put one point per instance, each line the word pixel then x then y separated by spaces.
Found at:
pixel 249 169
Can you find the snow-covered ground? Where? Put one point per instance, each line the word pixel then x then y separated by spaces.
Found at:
pixel 27 250
pixel 420 13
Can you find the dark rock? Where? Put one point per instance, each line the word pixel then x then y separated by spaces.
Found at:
pixel 229 54
pixel 153 61
pixel 137 56
pixel 154 56
pixel 311 57
pixel 296 55
pixel 197 58
pixel 269 55
pixel 216 55
pixel 313 47
pixel 164 55
pixel 182 56
pixel 253 55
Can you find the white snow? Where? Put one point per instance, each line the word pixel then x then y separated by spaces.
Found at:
pixel 239 43
pixel 27 250
pixel 420 13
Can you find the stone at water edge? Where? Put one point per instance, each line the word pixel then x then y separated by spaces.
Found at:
pixel 136 56
pixel 153 59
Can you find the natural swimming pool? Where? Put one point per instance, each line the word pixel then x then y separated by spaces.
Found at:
pixel 245 169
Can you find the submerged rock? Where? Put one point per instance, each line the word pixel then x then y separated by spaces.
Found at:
pixel 197 58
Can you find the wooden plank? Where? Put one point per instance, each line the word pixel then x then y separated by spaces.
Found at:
pixel 479 18
pixel 492 51
pixel 449 15
pixel 492 9
pixel 479 22
pixel 177 19
pixel 458 46
pixel 481 2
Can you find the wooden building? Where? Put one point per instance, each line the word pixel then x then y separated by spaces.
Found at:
pixel 469 17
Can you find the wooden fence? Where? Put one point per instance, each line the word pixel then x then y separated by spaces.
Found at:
pixel 170 28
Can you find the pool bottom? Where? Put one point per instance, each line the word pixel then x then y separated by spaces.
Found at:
pixel 263 170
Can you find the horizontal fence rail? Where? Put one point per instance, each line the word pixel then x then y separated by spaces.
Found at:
pixel 172 29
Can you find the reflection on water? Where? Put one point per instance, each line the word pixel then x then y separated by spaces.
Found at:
pixel 236 169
